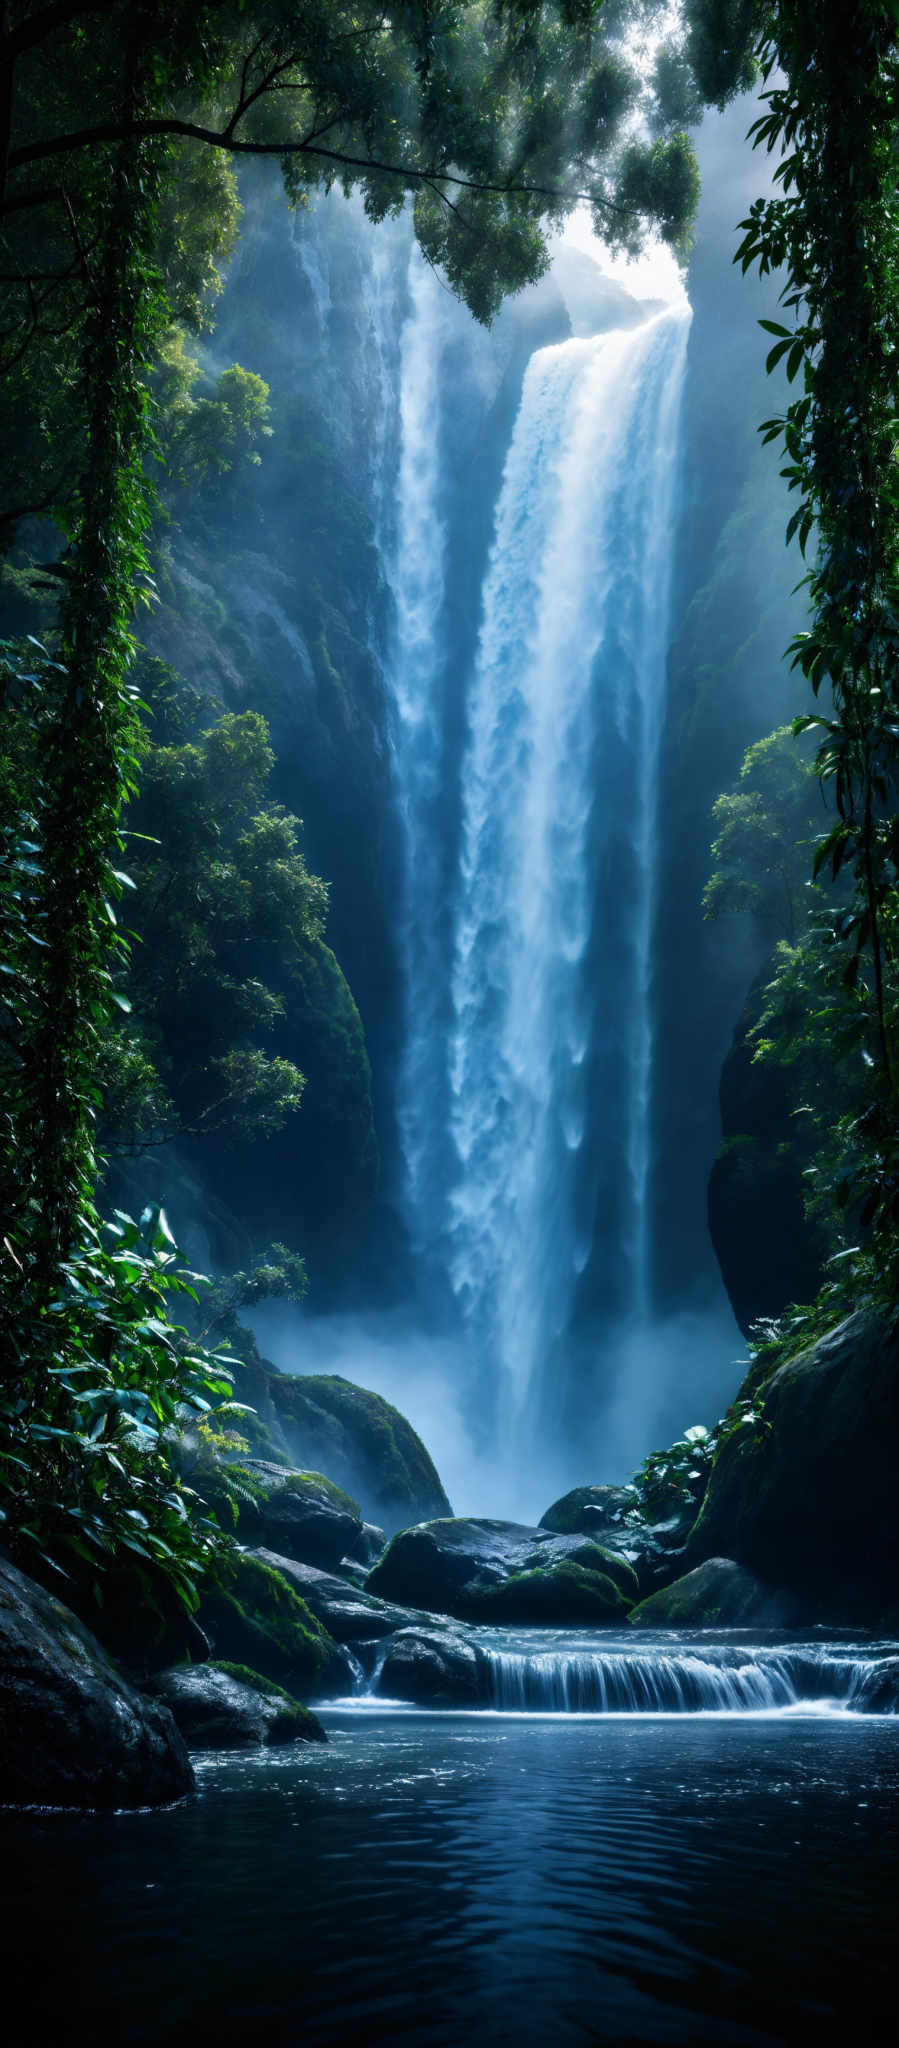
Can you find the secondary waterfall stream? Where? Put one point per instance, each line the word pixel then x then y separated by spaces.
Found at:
pixel 525 1097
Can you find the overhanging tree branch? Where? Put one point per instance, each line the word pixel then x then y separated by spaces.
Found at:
pixel 222 138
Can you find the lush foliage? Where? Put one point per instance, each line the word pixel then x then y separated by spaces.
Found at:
pixel 832 1010
pixel 114 124
pixel 765 832
pixel 85 1472
pixel 224 908
pixel 670 1484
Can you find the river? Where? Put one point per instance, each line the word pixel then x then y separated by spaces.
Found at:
pixel 433 1879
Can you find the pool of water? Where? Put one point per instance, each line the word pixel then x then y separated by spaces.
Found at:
pixel 440 1879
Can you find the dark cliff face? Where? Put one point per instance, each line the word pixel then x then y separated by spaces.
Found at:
pixel 769 1252
pixel 734 613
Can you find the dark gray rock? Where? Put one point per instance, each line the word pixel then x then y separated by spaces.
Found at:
pixel 504 1571
pixel 73 1732
pixel 431 1668
pixel 803 1488
pixel 367 1547
pixel 878 1692
pixel 361 1442
pixel 256 1616
pixel 768 1248
pixel 598 1511
pixel 298 1514
pixel 349 1614
pixel 226 1706
pixel 717 1594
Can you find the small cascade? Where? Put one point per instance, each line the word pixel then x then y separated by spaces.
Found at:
pixel 526 1672
pixel 730 1680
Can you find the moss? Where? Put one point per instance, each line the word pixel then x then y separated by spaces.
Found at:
pixel 253 1679
pixel 374 1437
pixel 234 1493
pixel 294 1718
pixel 566 1592
pixel 253 1616
pixel 333 1494
pixel 717 1594
pixel 609 1564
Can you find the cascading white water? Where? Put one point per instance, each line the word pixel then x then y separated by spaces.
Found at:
pixel 525 1086
pixel 593 1675
pixel 418 590
pixel 552 969
pixel 686 1681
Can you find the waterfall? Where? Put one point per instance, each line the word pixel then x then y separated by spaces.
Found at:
pixel 551 980
pixel 525 1089
pixel 418 588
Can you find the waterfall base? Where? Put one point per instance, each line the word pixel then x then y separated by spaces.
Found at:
pixel 532 1671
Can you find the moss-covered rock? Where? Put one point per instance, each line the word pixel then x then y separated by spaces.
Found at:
pixel 253 1616
pixel 555 1596
pixel 717 1594
pixel 600 1511
pixel 504 1571
pixel 299 1514
pixel 803 1488
pixel 350 1613
pixel 362 1442
pixel 228 1706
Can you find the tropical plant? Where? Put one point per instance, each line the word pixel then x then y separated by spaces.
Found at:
pixel 830 120
pixel 85 1470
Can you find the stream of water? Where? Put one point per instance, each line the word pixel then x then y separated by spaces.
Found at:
pixel 525 1092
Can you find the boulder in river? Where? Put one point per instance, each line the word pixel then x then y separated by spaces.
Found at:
pixel 803 1488
pixel 716 1594
pixel 504 1572
pixel 73 1732
pixel 227 1706
pixel 298 1514
pixel 433 1668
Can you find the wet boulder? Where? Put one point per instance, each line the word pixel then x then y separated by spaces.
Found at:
pixel 716 1594
pixel 803 1488
pixel 255 1615
pixel 504 1572
pixel 73 1732
pixel 298 1514
pixel 349 1613
pixel 602 1512
pixel 431 1668
pixel 878 1689
pixel 367 1547
pixel 227 1706
pixel 362 1442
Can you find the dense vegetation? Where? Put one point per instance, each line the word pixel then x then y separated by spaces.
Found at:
pixel 118 203
pixel 828 1013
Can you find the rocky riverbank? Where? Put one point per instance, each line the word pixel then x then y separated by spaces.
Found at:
pixel 797 1526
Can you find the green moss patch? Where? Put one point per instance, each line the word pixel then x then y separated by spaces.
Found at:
pixel 254 1618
